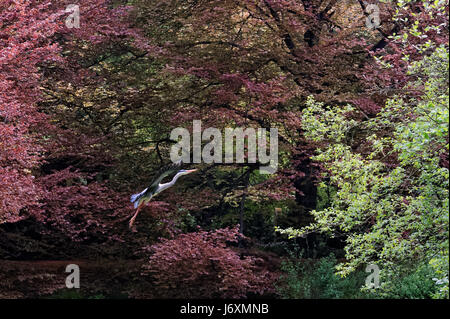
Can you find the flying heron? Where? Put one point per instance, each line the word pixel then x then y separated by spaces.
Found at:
pixel 142 198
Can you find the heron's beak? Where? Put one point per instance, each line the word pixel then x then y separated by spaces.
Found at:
pixel 188 171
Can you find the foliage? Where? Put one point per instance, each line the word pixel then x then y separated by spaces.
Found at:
pixel 415 283
pixel 85 115
pixel 392 212
pixel 26 28
pixel 200 265
pixel 316 279
pixel 249 63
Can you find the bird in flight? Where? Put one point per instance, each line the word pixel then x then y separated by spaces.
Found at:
pixel 141 199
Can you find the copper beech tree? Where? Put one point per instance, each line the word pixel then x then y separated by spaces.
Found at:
pixel 26 31
pixel 49 169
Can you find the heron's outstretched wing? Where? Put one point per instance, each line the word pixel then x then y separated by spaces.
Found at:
pixel 157 178
pixel 162 173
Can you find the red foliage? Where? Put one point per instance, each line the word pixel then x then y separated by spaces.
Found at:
pixel 48 168
pixel 388 81
pixel 200 265
pixel 25 32
pixel 82 211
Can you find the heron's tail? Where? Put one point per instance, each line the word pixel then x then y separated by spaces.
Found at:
pixel 135 197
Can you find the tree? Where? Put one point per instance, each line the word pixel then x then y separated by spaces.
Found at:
pixel 393 213
pixel 390 171
pixel 26 29
pixel 252 64
pixel 53 162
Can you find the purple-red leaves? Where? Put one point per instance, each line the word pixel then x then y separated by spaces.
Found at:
pixel 200 265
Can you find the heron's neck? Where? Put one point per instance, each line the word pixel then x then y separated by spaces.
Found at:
pixel 169 184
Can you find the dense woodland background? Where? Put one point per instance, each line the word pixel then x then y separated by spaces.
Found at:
pixel 362 113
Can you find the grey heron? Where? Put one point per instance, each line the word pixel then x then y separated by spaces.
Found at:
pixel 141 199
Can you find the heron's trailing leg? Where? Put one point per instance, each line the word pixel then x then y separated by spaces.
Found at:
pixel 135 214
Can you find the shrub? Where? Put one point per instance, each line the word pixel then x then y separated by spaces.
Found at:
pixel 200 265
pixel 413 284
pixel 316 279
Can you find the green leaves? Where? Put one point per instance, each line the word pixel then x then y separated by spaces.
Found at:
pixel 322 123
pixel 392 199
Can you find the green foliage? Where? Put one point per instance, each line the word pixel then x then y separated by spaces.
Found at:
pixel 325 194
pixel 188 222
pixel 392 199
pixel 312 279
pixel 415 284
pixel 259 219
pixel 324 123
